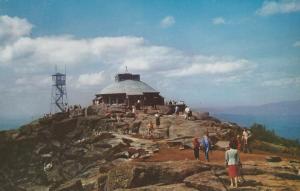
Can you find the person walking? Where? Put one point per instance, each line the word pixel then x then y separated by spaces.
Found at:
pixel 232 161
pixel 196 146
pixel 206 145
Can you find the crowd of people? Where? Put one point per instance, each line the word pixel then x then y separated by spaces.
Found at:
pixel 232 158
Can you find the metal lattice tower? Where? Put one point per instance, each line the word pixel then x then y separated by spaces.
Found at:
pixel 59 101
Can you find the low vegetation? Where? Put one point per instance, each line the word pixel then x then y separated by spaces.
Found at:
pixel 261 133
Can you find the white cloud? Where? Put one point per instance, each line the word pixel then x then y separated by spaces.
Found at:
pixel 31 55
pixel 37 81
pixel 218 21
pixel 211 65
pixel 11 28
pixel 296 44
pixel 91 79
pixel 283 82
pixel 279 7
pixel 30 61
pixel 65 50
pixel 168 21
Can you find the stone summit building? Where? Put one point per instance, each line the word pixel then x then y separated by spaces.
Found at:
pixel 128 89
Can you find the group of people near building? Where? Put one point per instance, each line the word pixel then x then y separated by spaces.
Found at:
pixel 187 112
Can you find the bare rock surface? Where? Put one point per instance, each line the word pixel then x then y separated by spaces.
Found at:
pixel 159 187
pixel 131 175
pixel 205 181
pixel 102 152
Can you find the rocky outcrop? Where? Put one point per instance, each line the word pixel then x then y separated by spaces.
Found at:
pixel 206 181
pixel 96 152
pixel 50 154
pixel 273 159
pixel 131 175
pixel 162 187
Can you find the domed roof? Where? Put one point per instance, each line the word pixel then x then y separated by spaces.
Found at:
pixel 129 87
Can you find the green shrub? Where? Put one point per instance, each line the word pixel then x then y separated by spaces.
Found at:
pixel 260 132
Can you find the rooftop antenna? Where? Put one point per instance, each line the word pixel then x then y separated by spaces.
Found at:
pixel 126 70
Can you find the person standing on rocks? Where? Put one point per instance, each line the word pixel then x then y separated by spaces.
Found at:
pixel 133 109
pixel 150 129
pixel 245 138
pixel 232 161
pixel 176 110
pixel 138 104
pixel 186 112
pixel 157 120
pixel 196 146
pixel 206 145
pixel 238 141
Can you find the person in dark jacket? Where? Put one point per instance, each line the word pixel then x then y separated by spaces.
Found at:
pixel 196 146
pixel 157 120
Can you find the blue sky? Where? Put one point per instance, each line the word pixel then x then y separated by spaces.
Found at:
pixel 209 53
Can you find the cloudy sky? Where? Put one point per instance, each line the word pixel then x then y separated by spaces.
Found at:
pixel 209 53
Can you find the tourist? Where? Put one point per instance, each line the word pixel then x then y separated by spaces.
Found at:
pixel 138 104
pixel 206 145
pixel 150 128
pixel 239 142
pixel 133 109
pixel 176 110
pixel 189 114
pixel 186 112
pixel 196 146
pixel 232 161
pixel 157 120
pixel 245 138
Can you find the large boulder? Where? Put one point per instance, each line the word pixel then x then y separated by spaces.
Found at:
pixel 71 186
pixel 137 174
pixel 201 115
pixel 273 159
pixel 222 145
pixel 62 128
pixel 205 181
pixel 170 187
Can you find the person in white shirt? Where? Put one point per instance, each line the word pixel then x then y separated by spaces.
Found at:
pixel 232 161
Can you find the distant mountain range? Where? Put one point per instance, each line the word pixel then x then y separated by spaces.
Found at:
pixel 278 108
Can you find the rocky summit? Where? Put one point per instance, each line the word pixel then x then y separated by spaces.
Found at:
pixel 110 149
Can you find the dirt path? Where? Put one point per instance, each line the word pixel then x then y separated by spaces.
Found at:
pixel 175 154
